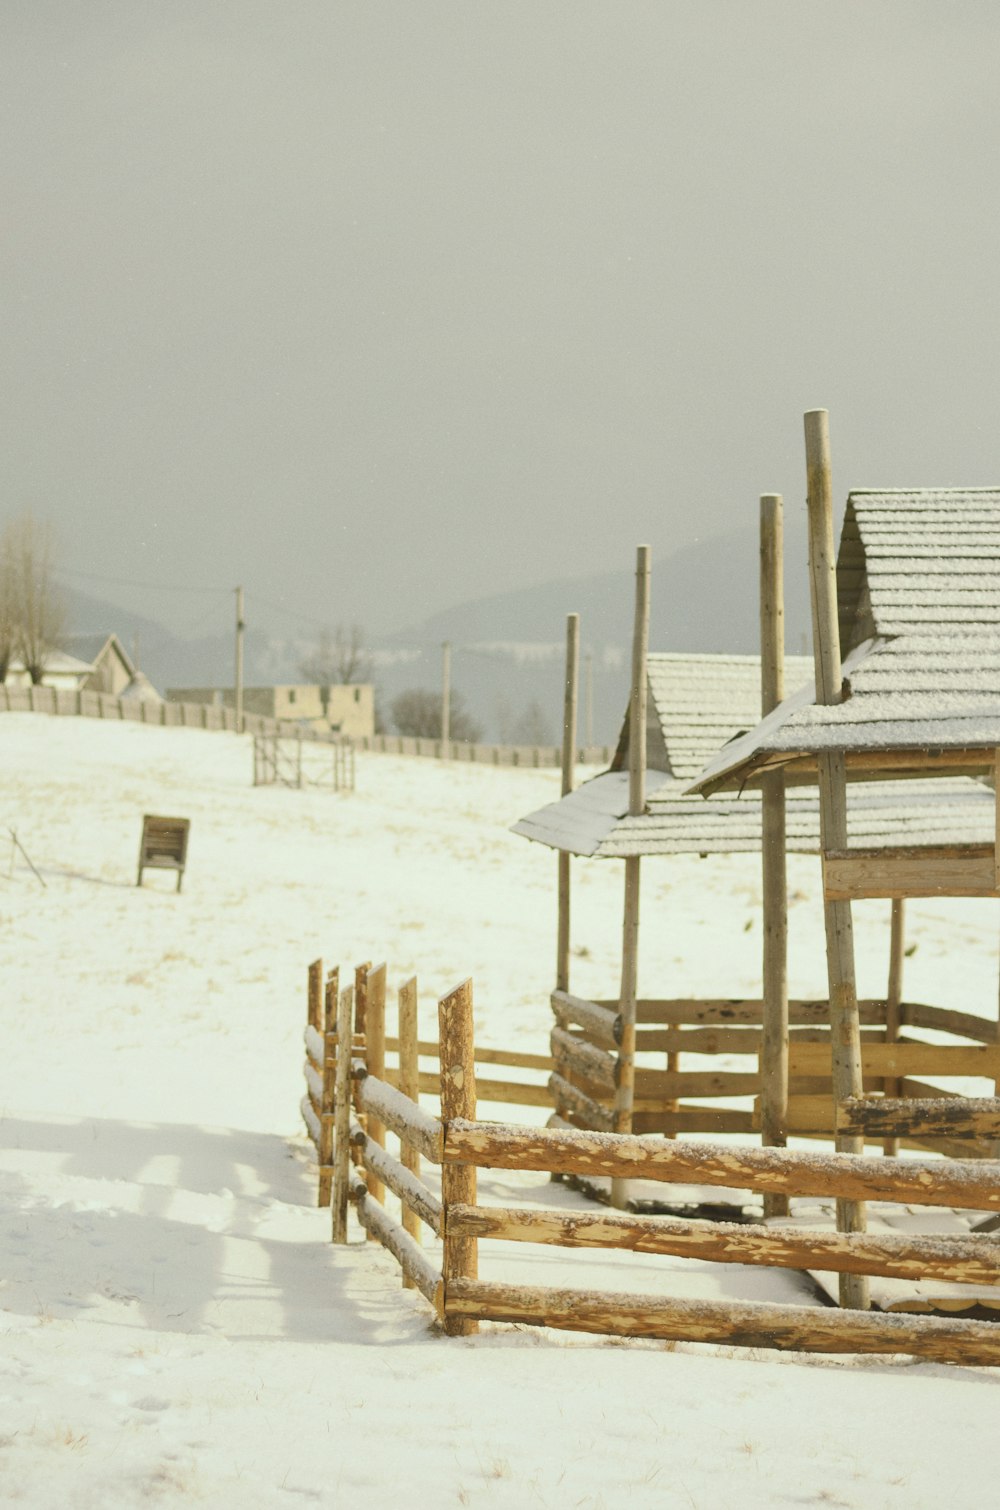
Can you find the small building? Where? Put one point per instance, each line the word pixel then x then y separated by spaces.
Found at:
pixel 63 672
pixel 111 666
pixel 341 709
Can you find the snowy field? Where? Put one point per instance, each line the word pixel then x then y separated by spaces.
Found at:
pixel 179 1330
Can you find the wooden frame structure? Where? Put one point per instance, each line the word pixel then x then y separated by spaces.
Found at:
pixel 163 845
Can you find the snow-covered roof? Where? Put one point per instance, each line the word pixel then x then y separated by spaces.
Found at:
pixel 57 662
pixel 697 702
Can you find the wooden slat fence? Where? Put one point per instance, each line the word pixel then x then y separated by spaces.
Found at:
pixel 682 1097
pixel 460 1144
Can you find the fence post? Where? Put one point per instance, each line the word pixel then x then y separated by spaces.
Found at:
pixel 329 1099
pixel 375 1059
pixel 458 1099
pixel 409 1085
pixel 342 1116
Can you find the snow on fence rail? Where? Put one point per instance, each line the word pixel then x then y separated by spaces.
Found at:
pixel 364 1104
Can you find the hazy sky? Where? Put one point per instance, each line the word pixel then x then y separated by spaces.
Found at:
pixel 376 307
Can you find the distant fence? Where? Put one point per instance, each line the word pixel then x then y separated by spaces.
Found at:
pixel 353 1101
pixel 537 757
pixel 206 716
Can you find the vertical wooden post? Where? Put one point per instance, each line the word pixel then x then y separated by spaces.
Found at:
pixel 845 1028
pixel 328 1103
pixel 894 997
pixel 238 691
pixel 361 998
pixel 774 1049
pixel 588 699
pixel 409 1085
pixel 624 1095
pixel 568 764
pixel 445 699
pixel 375 1045
pixel 456 1035
pixel 315 1015
pixel 342 1117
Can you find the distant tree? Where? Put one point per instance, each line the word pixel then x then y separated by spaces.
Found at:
pixel 531 727
pixel 8 635
pixel 340 657
pixel 36 611
pixel 418 713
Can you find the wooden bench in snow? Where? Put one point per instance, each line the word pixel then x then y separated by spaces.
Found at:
pixel 164 845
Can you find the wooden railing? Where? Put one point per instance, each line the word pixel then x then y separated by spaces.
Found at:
pixel 367 1106
pixel 680 1099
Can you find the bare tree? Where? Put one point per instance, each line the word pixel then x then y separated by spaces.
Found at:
pixel 531 727
pixel 38 612
pixel 340 658
pixel 7 600
pixel 418 713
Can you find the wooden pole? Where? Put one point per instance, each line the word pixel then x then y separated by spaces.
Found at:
pixel 845 1029
pixel 445 699
pixel 329 1101
pixel 315 998
pixel 894 997
pixel 588 699
pixel 568 764
pixel 409 1080
pixel 456 1035
pixel 774 1049
pixel 375 1059
pixel 342 1117
pixel 636 806
pixel 240 627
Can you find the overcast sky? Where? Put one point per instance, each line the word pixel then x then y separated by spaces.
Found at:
pixel 377 307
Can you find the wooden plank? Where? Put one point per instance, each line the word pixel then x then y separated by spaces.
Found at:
pixel 398 1113
pixel 946 1020
pixel 927 1182
pixel 667 1085
pixel 458 1100
pixel 904 1058
pixel 774 894
pixel 604 1023
pixel 953 1116
pixel 729 1012
pixel 958 1260
pixel 510 1058
pixel 882 873
pixel 733 1323
pixel 416 1198
pixel 570 681
pixel 714 1120
pixel 409 1080
pixel 342 1125
pixel 570 1054
pixel 411 1259
pixel 568 1098
pixel 894 998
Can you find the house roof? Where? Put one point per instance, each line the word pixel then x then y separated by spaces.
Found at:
pixel 93 647
pixel 918 579
pixel 56 661
pixel 695 703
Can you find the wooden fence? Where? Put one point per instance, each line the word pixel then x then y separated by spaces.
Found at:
pixel 366 1101
pixel 682 1097
pixel 287 760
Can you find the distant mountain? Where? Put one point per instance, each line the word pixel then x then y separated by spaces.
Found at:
pixel 507 651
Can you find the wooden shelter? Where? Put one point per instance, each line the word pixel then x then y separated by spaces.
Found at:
pixel 914 601
pixel 689 706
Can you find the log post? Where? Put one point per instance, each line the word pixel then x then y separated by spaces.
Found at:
pixel 845 1030
pixel 774 1048
pixel 315 997
pixel 893 999
pixel 456 1035
pixel 328 1101
pixel 568 762
pixel 409 1081
pixel 375 1060
pixel 342 1116
pixel 636 806
pixel 361 998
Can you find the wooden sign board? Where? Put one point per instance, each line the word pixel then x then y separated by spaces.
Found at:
pixel 163 845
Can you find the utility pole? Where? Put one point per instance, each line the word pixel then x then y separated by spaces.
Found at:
pixel 445 698
pixel 240 626
pixel 588 699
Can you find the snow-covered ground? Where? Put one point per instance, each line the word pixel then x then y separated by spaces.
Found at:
pixel 178 1328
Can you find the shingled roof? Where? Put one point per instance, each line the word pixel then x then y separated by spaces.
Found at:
pixel 696 703
pixel 918 579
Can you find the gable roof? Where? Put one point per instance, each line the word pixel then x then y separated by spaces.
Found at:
pixel 93 647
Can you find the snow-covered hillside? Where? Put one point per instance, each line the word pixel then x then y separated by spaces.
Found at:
pixel 178 1329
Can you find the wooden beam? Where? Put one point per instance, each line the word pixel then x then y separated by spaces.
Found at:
pixel 404 1117
pixel 458 1100
pixel 572 1055
pixel 740 1324
pixel 956 1260
pixel 938 870
pixel 342 1115
pixel 927 1182
pixel 414 1263
pixel 774 1052
pixel 416 1199
pixel 569 744
pixel 603 1023
pixel 898 1059
pixel 375 1060
pixel 951 1116
pixel 409 1077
